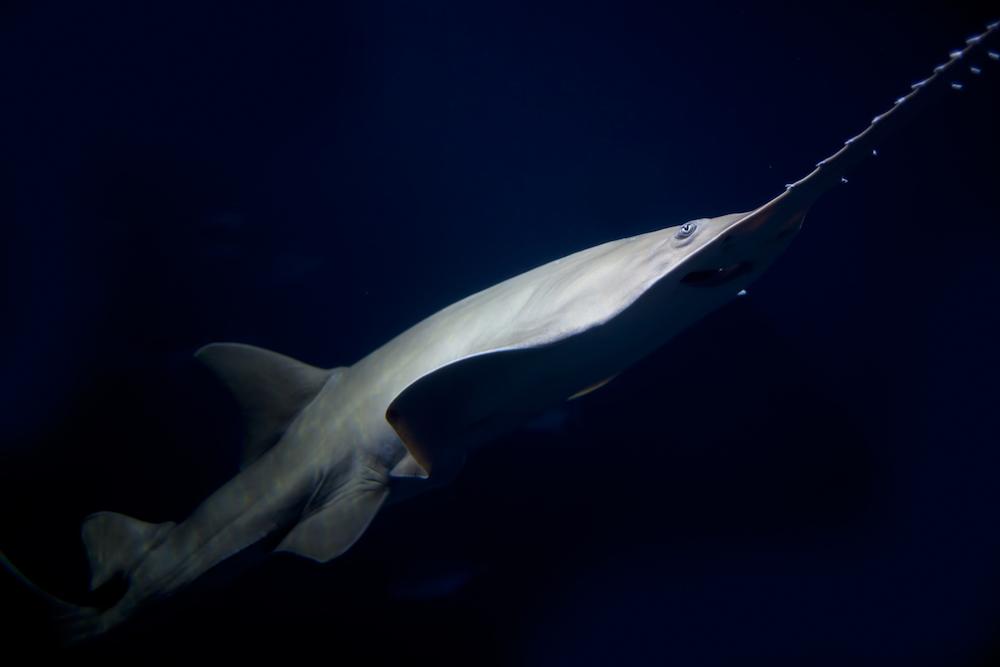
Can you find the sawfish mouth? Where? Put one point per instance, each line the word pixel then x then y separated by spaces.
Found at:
pixel 717 276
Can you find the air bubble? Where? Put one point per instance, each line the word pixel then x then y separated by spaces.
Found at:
pixel 843 179
pixel 874 151
pixel 742 292
pixel 993 55
pixel 975 70
pixel 956 85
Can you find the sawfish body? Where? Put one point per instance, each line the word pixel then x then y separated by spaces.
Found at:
pixel 326 448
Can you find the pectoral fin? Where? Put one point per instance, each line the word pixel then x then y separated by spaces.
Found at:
pixel 408 467
pixel 330 531
pixel 472 400
pixel 465 402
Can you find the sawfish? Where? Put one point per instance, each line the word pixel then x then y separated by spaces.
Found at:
pixel 326 448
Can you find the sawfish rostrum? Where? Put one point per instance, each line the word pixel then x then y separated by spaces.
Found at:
pixel 326 448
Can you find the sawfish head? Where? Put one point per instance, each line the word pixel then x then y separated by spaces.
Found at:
pixel 580 321
pixel 730 250
pixel 567 327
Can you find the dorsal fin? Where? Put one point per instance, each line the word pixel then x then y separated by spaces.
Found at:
pixel 115 542
pixel 269 387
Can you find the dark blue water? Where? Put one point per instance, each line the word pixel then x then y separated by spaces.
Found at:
pixel 809 476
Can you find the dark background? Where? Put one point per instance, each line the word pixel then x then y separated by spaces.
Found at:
pixel 809 476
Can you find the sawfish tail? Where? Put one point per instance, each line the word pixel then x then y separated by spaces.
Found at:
pixel 72 623
pixel 115 544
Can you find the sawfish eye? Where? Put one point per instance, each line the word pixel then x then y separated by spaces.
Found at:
pixel 686 230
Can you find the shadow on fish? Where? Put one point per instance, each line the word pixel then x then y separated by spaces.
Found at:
pixel 327 448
